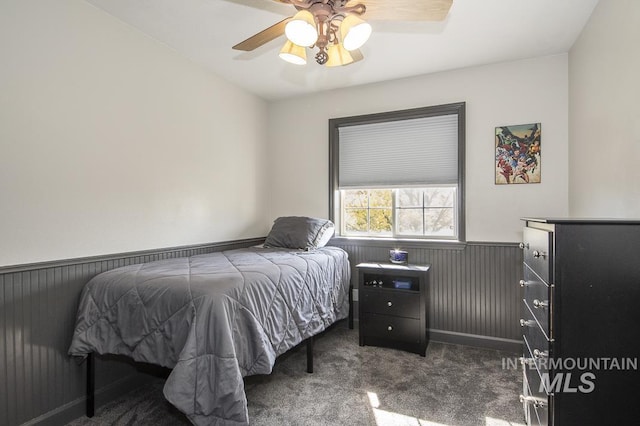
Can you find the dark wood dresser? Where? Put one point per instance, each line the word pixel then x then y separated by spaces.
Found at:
pixel 581 322
pixel 393 305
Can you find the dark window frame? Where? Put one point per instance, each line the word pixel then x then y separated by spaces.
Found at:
pixel 334 142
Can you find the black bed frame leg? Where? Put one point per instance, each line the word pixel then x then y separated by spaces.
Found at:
pixel 350 307
pixel 310 355
pixel 91 385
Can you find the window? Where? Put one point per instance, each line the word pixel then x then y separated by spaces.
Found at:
pixel 411 212
pixel 399 174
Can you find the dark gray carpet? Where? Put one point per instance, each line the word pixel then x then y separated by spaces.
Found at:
pixel 353 385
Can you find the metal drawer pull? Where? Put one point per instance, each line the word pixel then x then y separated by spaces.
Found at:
pixel 389 328
pixel 523 245
pixel 527 323
pixel 540 305
pixel 523 283
pixel 389 303
pixel 537 402
pixel 540 354
pixel 538 254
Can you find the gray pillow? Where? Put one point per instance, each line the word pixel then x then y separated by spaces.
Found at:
pixel 299 232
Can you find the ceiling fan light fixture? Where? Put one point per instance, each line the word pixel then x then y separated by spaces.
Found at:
pixel 301 29
pixel 293 53
pixel 338 56
pixel 355 31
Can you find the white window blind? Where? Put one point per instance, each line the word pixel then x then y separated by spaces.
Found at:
pixel 405 152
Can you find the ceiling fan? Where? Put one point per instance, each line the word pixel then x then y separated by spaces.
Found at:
pixel 336 27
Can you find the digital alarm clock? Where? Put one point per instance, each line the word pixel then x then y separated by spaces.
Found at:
pixel 398 256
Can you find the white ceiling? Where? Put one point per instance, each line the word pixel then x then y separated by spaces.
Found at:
pixel 476 32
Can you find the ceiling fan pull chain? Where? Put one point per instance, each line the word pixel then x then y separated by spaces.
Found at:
pixel 322 56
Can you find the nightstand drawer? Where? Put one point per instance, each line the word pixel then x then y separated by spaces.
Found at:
pixel 393 328
pixel 393 306
pixel 389 302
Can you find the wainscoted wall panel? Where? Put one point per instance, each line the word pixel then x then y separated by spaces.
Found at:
pixel 473 299
pixel 39 383
pixel 474 295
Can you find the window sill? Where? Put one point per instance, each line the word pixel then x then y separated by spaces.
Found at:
pixel 399 243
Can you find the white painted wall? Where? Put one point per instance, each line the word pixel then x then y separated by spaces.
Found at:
pixel 112 142
pixel 519 92
pixel 604 99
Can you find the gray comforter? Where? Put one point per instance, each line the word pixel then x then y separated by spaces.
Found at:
pixel 213 319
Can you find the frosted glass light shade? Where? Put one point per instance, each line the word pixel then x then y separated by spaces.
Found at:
pixel 338 56
pixel 355 32
pixel 293 53
pixel 301 30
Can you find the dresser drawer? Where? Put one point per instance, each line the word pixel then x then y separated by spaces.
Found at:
pixel 390 302
pixel 536 408
pixel 536 365
pixel 392 328
pixel 537 296
pixel 535 339
pixel 542 414
pixel 534 381
pixel 538 251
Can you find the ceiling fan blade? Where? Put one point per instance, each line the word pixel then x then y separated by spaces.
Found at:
pixel 405 10
pixel 263 37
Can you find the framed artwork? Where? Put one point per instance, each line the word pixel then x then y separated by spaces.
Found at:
pixel 518 154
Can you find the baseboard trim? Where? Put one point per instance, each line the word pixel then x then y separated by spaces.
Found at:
pixel 488 342
pixel 475 340
pixel 76 409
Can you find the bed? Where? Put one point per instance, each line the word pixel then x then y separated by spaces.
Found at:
pixel 214 319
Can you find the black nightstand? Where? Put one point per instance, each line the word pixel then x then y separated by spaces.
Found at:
pixel 393 306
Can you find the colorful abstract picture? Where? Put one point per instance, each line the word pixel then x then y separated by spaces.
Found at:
pixel 518 154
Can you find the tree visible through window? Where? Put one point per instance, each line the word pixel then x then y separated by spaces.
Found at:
pixel 415 212
pixel 368 211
